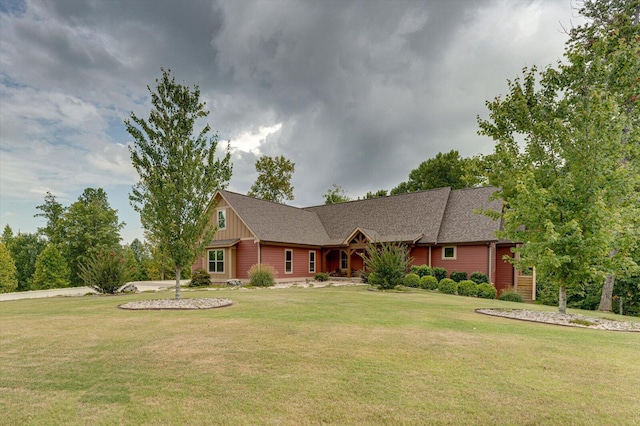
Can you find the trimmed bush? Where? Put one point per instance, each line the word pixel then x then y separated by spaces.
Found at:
pixel 447 286
pixel 439 273
pixel 467 288
pixel 479 278
pixel 321 276
pixel 262 275
pixel 200 278
pixel 487 291
pixel 511 296
pixel 421 270
pixel 411 280
pixel 429 282
pixel 458 276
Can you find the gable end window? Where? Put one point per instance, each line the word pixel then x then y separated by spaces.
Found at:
pixel 222 219
pixel 288 261
pixel 216 261
pixel 449 252
pixel 312 261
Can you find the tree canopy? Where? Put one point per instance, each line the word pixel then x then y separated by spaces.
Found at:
pixel 567 151
pixel 335 194
pixel 178 171
pixel 274 179
pixel 445 169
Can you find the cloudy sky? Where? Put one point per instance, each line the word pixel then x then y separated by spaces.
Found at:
pixel 356 93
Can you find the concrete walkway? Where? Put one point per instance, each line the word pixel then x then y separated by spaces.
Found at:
pixel 81 291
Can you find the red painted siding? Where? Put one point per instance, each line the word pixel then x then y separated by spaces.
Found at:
pixel 420 256
pixel 504 270
pixel 274 256
pixel 246 257
pixel 468 259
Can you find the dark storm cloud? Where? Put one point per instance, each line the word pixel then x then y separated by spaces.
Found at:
pixel 357 93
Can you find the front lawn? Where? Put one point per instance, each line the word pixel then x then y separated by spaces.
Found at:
pixel 308 356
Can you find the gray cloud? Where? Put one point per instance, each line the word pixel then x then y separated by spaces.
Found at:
pixel 364 90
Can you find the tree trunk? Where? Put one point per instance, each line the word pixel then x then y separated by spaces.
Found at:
pixel 562 299
pixel 607 294
pixel 177 283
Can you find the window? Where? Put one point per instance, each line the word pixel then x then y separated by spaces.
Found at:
pixel 216 261
pixel 288 261
pixel 449 252
pixel 344 260
pixel 222 219
pixel 312 261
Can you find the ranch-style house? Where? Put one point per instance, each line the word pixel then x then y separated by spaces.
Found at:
pixel 441 227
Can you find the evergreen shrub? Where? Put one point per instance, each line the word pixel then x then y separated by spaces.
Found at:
pixel 458 276
pixel 479 278
pixel 447 286
pixel 439 273
pixel 421 270
pixel 321 276
pixel 429 282
pixel 411 280
pixel 262 275
pixel 511 296
pixel 389 261
pixel 467 288
pixel 487 291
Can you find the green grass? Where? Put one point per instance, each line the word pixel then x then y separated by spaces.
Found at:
pixel 308 356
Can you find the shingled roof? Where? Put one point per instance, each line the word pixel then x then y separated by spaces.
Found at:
pixel 427 217
pixel 406 217
pixel 276 222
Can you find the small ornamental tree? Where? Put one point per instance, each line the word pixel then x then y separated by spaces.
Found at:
pixel 389 262
pixel 8 280
pixel 52 270
pixel 178 172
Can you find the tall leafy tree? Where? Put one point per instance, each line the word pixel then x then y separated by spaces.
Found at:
pixel 8 280
pixel 52 270
pixel 377 194
pixel 336 194
pixel 274 179
pixel 53 212
pixel 567 151
pixel 445 169
pixel 178 171
pixel 7 235
pixel 25 249
pixel 88 226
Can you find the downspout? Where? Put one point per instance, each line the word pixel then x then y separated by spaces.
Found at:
pixel 429 259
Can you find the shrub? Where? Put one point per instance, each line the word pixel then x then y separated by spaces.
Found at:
pixel 487 291
pixel 321 276
pixel 105 271
pixel 411 280
pixel 439 273
pixel 374 279
pixel 389 261
pixel 467 288
pixel 447 286
pixel 262 275
pixel 8 275
pixel 421 270
pixel 511 296
pixel 479 278
pixel 429 282
pixel 458 276
pixel 200 278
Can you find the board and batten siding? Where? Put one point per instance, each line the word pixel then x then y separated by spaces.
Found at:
pixel 235 227
pixel 469 259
